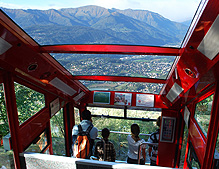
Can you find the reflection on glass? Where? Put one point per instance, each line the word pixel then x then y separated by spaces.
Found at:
pixel 203 113
pixel 39 144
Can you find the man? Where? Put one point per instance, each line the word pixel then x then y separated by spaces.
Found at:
pixel 85 125
pixel 104 149
pixel 154 138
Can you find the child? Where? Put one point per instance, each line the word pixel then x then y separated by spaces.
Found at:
pixel 104 149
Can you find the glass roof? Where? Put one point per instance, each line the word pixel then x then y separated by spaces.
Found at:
pixel 150 23
pixel 123 86
pixel 145 66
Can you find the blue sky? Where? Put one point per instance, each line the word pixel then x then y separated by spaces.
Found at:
pixel 176 10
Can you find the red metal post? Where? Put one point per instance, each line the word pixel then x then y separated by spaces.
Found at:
pixel 12 113
pixel 67 124
pixel 50 139
pixel 212 131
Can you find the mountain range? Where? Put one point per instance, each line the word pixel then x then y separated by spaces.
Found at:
pixel 98 25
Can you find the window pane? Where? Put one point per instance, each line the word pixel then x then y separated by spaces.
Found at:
pixel 4 129
pixel 203 113
pixel 106 111
pixel 183 150
pixel 6 157
pixel 216 154
pixel 29 102
pixel 77 115
pixel 123 86
pixel 57 131
pixel 192 159
pixel 39 144
pixel 146 66
pixel 121 125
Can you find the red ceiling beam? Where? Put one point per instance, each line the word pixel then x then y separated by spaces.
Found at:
pixel 111 49
pixel 119 79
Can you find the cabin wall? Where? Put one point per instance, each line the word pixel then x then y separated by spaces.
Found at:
pixel 167 150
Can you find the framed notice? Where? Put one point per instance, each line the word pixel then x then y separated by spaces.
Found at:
pixel 123 99
pixel 101 97
pixel 146 100
pixel 54 106
pixel 167 129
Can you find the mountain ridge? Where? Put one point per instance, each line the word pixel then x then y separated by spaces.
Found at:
pixel 124 26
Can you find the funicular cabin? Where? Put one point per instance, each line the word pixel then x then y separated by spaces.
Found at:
pixel 188 99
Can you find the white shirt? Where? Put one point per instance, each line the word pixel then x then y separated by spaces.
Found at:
pixel 133 147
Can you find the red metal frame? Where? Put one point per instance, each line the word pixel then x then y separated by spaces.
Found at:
pixel 110 49
pixel 119 78
pixel 213 132
pixel 12 113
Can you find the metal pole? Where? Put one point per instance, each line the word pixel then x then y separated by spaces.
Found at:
pixel 12 113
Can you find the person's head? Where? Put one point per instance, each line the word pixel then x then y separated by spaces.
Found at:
pixel 105 133
pixel 158 121
pixel 86 115
pixel 135 129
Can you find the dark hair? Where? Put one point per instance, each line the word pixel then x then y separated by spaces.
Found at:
pixel 135 129
pixel 158 121
pixel 86 115
pixel 105 133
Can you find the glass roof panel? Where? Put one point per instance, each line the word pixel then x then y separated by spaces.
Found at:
pixel 123 86
pixel 139 22
pixel 145 66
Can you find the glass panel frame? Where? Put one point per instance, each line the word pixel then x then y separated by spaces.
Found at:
pixel 202 113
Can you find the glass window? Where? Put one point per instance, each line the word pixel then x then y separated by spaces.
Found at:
pixel 121 127
pixel 203 113
pixel 106 111
pixel 183 150
pixel 123 22
pixel 77 115
pixel 4 129
pixel 192 159
pixel 123 86
pixel 6 157
pixel 216 154
pixel 29 102
pixel 39 144
pixel 57 131
pixel 146 66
